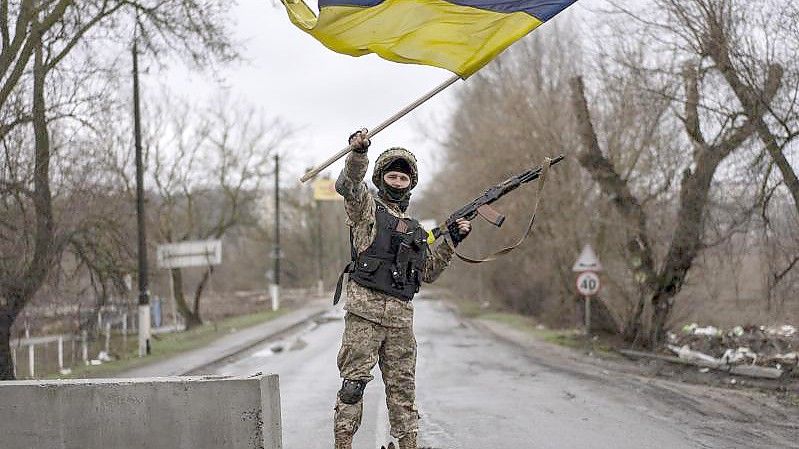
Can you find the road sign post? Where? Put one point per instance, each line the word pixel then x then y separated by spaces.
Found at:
pixel 588 284
pixel 201 253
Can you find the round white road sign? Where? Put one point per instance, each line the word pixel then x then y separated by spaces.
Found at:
pixel 588 283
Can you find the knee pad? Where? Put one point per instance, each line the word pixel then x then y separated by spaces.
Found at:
pixel 351 391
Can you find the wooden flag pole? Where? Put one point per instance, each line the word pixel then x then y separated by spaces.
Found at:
pixel 318 169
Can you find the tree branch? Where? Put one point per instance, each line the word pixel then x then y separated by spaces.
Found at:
pixel 779 276
pixel 10 50
pixel 4 32
pixel 691 120
pixel 755 103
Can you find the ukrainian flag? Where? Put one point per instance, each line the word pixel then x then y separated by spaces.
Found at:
pixel 458 35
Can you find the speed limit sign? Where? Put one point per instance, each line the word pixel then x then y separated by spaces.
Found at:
pixel 588 283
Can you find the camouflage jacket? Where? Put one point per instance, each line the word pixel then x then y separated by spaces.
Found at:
pixel 359 203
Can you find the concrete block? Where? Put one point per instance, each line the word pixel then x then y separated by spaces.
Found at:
pixel 209 412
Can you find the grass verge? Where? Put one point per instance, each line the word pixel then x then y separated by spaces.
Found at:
pixel 169 345
pixel 570 338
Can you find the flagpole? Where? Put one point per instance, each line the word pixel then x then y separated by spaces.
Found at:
pixel 318 169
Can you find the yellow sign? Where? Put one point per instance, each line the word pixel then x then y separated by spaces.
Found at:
pixel 324 189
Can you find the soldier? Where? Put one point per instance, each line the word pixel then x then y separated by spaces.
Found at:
pixel 390 256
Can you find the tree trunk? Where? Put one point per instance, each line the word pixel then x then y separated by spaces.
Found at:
pixel 634 328
pixel 686 241
pixel 192 318
pixel 662 305
pixel 19 289
pixel 199 291
pixel 6 362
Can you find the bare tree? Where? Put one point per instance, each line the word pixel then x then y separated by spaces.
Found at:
pixel 712 130
pixel 665 283
pixel 671 165
pixel 44 43
pixel 209 167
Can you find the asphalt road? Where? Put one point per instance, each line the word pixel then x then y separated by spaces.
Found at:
pixel 473 391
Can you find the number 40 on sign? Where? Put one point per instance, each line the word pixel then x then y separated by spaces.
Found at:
pixel 588 283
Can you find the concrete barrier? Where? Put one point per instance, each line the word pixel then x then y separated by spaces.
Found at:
pixel 210 412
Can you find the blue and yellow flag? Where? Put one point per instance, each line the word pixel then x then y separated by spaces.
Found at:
pixel 458 35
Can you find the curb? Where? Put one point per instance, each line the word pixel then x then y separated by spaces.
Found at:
pixel 247 345
pixel 229 345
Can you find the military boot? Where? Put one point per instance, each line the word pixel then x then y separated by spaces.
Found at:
pixel 408 441
pixel 343 442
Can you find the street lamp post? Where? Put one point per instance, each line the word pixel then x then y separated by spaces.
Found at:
pixel 320 249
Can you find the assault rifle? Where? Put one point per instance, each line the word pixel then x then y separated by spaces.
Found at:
pixel 481 205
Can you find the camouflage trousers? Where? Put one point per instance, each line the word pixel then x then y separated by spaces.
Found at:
pixel 365 344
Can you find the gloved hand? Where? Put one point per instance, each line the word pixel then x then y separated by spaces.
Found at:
pixel 359 142
pixel 459 230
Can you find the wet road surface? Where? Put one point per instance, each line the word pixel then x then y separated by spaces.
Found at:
pixel 473 391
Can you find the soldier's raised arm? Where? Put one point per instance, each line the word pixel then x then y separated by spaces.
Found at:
pixel 350 182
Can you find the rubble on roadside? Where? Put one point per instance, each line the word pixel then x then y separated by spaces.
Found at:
pixel 775 347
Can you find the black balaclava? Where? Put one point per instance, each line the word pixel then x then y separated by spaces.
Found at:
pixel 400 160
pixel 401 197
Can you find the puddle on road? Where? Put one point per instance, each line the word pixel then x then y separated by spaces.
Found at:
pixel 294 343
pixel 331 315
pixel 263 353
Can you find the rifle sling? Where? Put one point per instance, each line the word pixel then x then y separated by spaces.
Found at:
pixel 539 193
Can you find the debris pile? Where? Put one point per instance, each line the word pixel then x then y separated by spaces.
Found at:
pixel 764 346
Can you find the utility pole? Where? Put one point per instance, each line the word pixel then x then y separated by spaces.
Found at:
pixel 321 248
pixel 275 287
pixel 144 294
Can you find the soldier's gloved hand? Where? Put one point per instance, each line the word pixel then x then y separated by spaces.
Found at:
pixel 359 142
pixel 459 230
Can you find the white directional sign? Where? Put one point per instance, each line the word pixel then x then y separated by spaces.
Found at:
pixel 588 283
pixel 190 254
pixel 588 261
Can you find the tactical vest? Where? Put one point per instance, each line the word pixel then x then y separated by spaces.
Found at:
pixel 392 262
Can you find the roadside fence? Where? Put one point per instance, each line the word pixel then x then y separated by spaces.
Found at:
pixel 114 334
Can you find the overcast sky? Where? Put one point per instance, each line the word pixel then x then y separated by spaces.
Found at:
pixel 323 94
